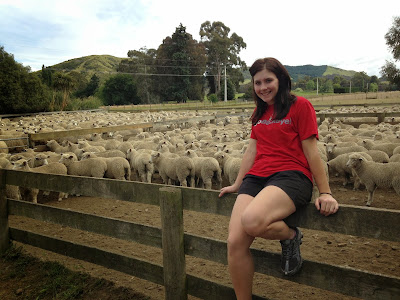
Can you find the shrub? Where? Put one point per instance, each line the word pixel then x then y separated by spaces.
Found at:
pixel 213 98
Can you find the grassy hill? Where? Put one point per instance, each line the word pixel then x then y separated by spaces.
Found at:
pixel 297 72
pixel 101 65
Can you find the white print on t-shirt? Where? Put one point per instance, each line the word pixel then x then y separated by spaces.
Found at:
pixel 270 121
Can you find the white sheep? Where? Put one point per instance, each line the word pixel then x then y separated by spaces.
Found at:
pixel 338 165
pixel 12 191
pixel 373 174
pixel 53 168
pixel 141 164
pixel 396 150
pixel 385 147
pixel 3 147
pixel 177 168
pixel 117 167
pixel 229 164
pixel 395 158
pixel 378 156
pixel 206 168
pixel 95 167
pixel 332 150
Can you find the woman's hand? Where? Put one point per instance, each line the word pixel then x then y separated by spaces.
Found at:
pixel 326 204
pixel 228 189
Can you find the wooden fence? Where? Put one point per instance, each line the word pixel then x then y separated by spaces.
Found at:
pixel 382 224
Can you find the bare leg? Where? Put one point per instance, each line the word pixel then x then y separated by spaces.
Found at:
pixel 255 217
pixel 240 261
pixel 263 216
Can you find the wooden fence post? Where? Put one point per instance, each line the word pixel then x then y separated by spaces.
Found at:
pixel 4 232
pixel 172 243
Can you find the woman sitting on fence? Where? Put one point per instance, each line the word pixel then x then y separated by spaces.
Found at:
pixel 276 175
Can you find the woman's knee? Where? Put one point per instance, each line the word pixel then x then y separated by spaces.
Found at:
pixel 254 224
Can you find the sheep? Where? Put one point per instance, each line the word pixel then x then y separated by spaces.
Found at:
pixel 95 167
pixel 53 168
pixel 117 167
pixel 385 147
pixel 3 147
pixel 12 191
pixel 396 150
pixel 205 169
pixel 111 153
pixel 178 168
pixel 338 165
pixel 141 163
pixel 373 174
pixel 229 164
pixel 89 148
pixel 54 146
pixel 378 156
pixel 395 158
pixel 333 151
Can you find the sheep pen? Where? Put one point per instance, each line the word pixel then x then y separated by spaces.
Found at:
pixel 360 253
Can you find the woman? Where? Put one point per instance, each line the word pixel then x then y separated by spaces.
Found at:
pixel 276 175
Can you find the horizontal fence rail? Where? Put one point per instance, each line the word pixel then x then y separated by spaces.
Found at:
pixel 351 220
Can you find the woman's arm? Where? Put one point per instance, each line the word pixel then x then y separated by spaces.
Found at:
pixel 247 162
pixel 325 203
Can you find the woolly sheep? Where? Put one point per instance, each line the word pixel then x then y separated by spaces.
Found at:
pixel 339 166
pixel 54 146
pixel 395 158
pixel 12 191
pixel 385 147
pixel 396 150
pixel 378 156
pixel 373 174
pixel 94 167
pixel 333 151
pixel 141 164
pixel 206 168
pixel 117 167
pixel 230 165
pixel 3 147
pixel 178 168
pixel 53 168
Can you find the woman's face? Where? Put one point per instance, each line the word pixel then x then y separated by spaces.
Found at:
pixel 266 86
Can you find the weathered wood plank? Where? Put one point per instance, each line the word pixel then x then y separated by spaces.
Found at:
pixel 129 265
pixel 339 279
pixel 4 233
pixel 45 136
pixel 147 235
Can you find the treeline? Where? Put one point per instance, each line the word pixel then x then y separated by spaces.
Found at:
pixel 180 69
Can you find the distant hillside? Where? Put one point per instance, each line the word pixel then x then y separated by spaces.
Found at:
pixel 102 65
pixel 297 72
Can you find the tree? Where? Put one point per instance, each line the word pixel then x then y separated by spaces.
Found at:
pixel 120 90
pixel 63 83
pixel 184 59
pixel 360 80
pixel 90 89
pixel 20 90
pixel 389 70
pixel 141 63
pixel 310 85
pixel 222 50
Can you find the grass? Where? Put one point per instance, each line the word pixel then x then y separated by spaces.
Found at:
pixel 26 277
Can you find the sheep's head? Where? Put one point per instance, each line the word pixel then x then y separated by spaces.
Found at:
pixel 355 160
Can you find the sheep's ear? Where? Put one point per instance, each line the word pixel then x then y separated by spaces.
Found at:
pixel 71 157
pixel 25 162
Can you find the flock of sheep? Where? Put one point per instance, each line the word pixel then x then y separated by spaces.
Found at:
pixel 197 154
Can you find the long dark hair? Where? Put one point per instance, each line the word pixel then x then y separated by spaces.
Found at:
pixel 284 98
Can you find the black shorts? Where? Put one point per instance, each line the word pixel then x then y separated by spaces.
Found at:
pixel 294 183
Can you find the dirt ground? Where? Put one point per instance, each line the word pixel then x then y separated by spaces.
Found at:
pixel 361 253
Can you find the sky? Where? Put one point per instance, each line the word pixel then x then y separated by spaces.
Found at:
pixel 345 34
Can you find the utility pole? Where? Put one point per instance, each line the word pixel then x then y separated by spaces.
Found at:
pixel 350 88
pixel 317 85
pixel 226 89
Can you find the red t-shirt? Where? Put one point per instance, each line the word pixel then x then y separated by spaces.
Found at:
pixel 279 141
